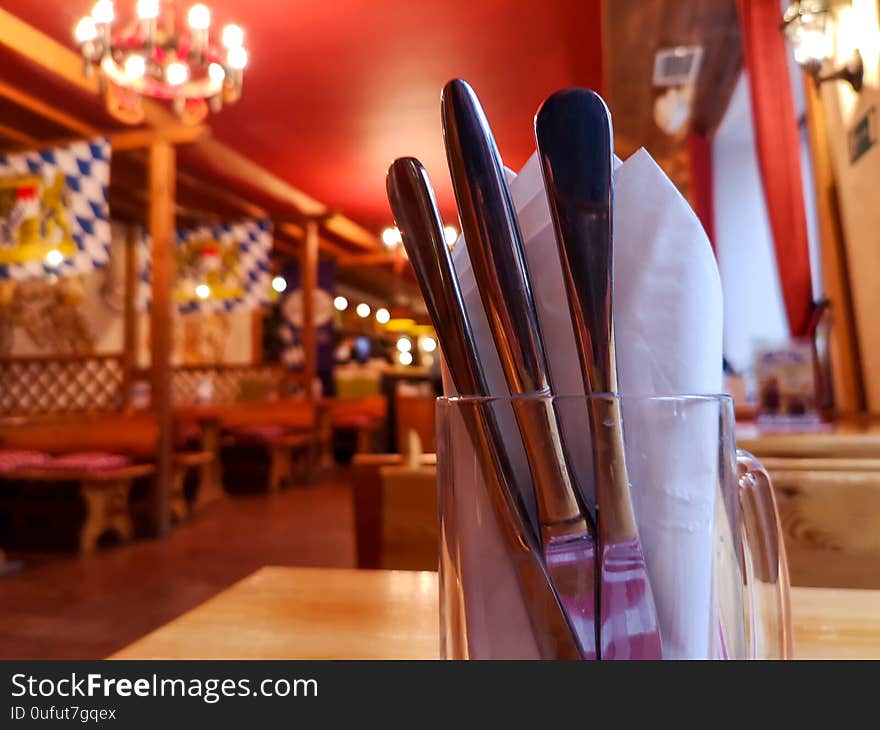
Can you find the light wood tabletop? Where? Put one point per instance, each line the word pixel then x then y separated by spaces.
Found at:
pixel 320 613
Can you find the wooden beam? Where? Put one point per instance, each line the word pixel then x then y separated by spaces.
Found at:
pixel 29 42
pixel 18 136
pixel 161 184
pixel 843 346
pixel 134 139
pixel 228 162
pixel 309 279
pixel 382 258
pixel 222 194
pixel 358 236
pixel 47 111
pixel 286 247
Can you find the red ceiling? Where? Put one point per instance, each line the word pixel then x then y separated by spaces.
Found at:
pixel 335 90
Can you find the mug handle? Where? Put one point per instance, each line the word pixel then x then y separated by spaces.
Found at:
pixel 765 568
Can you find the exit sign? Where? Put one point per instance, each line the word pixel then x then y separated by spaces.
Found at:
pixel 863 135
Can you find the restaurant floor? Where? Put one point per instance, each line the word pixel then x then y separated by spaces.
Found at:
pixel 62 606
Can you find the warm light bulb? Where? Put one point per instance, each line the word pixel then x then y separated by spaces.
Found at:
pixel 404 344
pixel 147 9
pixel 405 358
pixel 85 30
pixel 177 73
pixel 135 67
pixel 216 72
pixel 233 36
pixel 450 235
pixel 363 310
pixel 236 58
pixel 54 257
pixel 203 291
pixel 341 304
pixel 383 316
pixel 391 237
pixel 429 344
pixel 279 284
pixel 102 12
pixel 199 17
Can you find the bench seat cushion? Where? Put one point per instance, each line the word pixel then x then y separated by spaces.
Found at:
pixel 21 459
pixel 87 460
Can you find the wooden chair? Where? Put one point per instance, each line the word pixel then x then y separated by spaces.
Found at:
pixel 415 413
pixel 409 520
pixel 366 482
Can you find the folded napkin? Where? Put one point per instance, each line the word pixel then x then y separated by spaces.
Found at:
pixel 668 328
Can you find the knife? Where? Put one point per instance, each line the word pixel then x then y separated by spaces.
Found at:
pixel 495 248
pixel 415 212
pixel 575 145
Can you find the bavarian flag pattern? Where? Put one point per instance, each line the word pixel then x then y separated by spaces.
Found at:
pixel 54 214
pixel 216 268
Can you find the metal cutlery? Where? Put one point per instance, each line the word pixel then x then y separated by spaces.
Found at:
pixel 495 248
pixel 415 211
pixel 574 138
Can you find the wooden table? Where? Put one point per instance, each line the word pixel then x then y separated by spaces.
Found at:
pixel 316 613
pixel 844 439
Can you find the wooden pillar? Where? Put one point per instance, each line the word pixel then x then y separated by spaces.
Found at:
pixel 161 222
pixel 849 393
pixel 130 315
pixel 309 279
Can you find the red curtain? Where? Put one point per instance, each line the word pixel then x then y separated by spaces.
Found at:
pixel 776 135
pixel 700 158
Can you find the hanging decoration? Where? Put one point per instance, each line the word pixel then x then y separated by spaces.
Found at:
pixel 54 215
pixel 157 55
pixel 217 268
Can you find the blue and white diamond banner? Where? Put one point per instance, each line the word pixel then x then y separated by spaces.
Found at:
pixel 217 268
pixel 54 214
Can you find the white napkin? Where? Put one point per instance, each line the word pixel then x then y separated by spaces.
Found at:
pixel 668 327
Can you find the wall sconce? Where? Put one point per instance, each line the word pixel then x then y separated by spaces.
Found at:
pixel 809 26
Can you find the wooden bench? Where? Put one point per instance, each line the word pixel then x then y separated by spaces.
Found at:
pixel 104 493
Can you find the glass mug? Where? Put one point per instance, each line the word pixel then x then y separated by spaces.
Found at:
pixel 706 517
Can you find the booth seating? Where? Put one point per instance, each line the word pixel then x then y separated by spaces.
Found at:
pixel 103 455
pixel 366 416
pixel 287 434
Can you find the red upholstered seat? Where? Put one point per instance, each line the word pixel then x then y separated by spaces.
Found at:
pixel 258 433
pixel 21 459
pixel 87 460
pixel 353 422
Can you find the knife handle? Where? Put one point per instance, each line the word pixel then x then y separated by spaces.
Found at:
pixel 415 211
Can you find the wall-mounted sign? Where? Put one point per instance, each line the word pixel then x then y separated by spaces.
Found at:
pixel 863 135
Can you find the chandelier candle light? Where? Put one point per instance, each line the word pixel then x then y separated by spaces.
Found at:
pixel 150 57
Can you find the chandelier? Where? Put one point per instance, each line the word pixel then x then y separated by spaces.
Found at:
pixel 149 56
